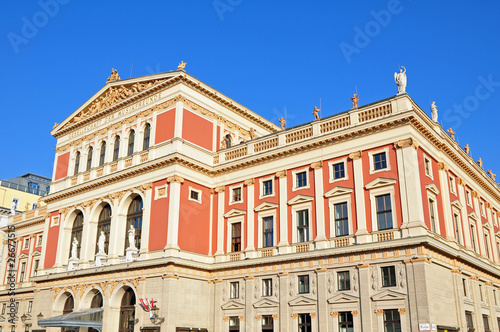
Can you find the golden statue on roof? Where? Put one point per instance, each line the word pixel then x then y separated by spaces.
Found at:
pixel 114 76
pixel 181 65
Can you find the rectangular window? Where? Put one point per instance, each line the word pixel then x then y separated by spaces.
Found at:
pixel 26 243
pixel 234 323
pixel 482 208
pixel 486 323
pixel 303 284
pixel 236 236
pixel 384 211
pixel 432 215
pixel 467 195
pixel 17 307
pixel 304 321
pixel 487 244
pixel 344 280
pixel 267 323
pixel 39 240
pixel 194 195
pixel 464 285
pixel 388 276
pixel 495 296
pixel 481 295
pixel 234 290
pixel 341 219
pixel 267 187
pixel 23 271
pixel 236 195
pixel 301 179
pixel 427 164
pixel 338 171
pixel 4 306
pixel 30 306
pixel 392 321
pixel 35 266
pixel 470 321
pixel 346 322
pixel 456 218
pixel 267 287
pixel 267 229
pixel 452 184
pixel 379 161
pixel 494 216
pixel 303 226
pixel 15 203
pixel 473 237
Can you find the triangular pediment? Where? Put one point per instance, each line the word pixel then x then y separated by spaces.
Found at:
pixel 472 215
pixel 487 225
pixel 300 199
pixel 343 298
pixel 234 213
pixel 265 303
pixel 112 93
pixel 388 295
pixel 36 253
pixel 265 206
pixel 232 305
pixel 23 255
pixel 456 203
pixel 380 182
pixel 432 188
pixel 338 191
pixel 302 300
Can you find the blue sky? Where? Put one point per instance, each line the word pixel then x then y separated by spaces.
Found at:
pixel 278 58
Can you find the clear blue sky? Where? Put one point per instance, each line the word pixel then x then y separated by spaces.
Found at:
pixel 277 58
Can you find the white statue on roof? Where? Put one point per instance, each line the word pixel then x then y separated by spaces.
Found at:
pixel 400 79
pixel 434 112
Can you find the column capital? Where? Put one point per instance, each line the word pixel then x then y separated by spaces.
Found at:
pixel 354 313
pixel 220 189
pixel 258 317
pixel 442 166
pixel 281 174
pixel 249 182
pixel 379 312
pixel 355 155
pixel 402 311
pixel 317 165
pixel 334 314
pixel 313 315
pixel 175 178
pixel 295 316
pixel 405 143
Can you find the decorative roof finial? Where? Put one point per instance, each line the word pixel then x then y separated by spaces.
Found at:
pixel 181 65
pixel 114 76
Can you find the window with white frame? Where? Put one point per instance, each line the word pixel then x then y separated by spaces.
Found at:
pixel 384 211
pixel 487 244
pixel 338 170
pixel 194 195
pixel 268 231
pixel 30 306
pixel 379 161
pixel 473 236
pixel 236 236
pixel 341 219
pixel 303 282
pixel 453 188
pixel 26 243
pixel 343 280
pixel 483 212
pixel 468 197
pixel 302 225
pixel 34 206
pixel 234 290
pixel 36 264
pixel 77 163
pixel 22 272
pixel 236 194
pixel 428 167
pixel 15 203
pixel 432 214
pixel 301 179
pixel 457 222
pixel 494 216
pixel 267 187
pixel 340 211
pixel 39 239
pixel 267 287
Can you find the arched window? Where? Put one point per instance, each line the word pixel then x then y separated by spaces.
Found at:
pixel 103 154
pixel 131 139
pixel 77 162
pixel 147 134
pixel 127 311
pixel 97 301
pixel 134 218
pixel 104 225
pixel 76 232
pixel 116 151
pixel 89 158
pixel 69 305
pixel 228 140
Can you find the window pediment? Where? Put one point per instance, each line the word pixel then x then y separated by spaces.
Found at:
pixel 338 191
pixel 486 225
pixel 456 203
pixel 388 295
pixel 265 303
pixel 380 182
pixel 265 206
pixel 300 199
pixel 232 305
pixel 36 253
pixel 472 215
pixel 23 255
pixel 343 298
pixel 432 188
pixel 302 300
pixel 234 213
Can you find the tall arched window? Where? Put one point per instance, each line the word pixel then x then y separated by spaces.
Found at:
pixel 76 232
pixel 147 134
pixel 103 154
pixel 134 218
pixel 131 139
pixel 97 301
pixel 127 311
pixel 69 305
pixel 104 225
pixel 89 158
pixel 77 162
pixel 116 151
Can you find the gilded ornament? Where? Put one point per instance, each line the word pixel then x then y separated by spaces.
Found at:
pixel 181 65
pixel 452 133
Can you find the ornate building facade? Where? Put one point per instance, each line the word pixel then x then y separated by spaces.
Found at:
pixel 373 219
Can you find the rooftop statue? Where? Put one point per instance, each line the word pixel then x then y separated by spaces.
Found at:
pixel 181 65
pixel 400 79
pixel 434 112
pixel 355 99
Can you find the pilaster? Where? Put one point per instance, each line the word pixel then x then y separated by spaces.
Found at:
pixel 173 213
pixel 319 204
